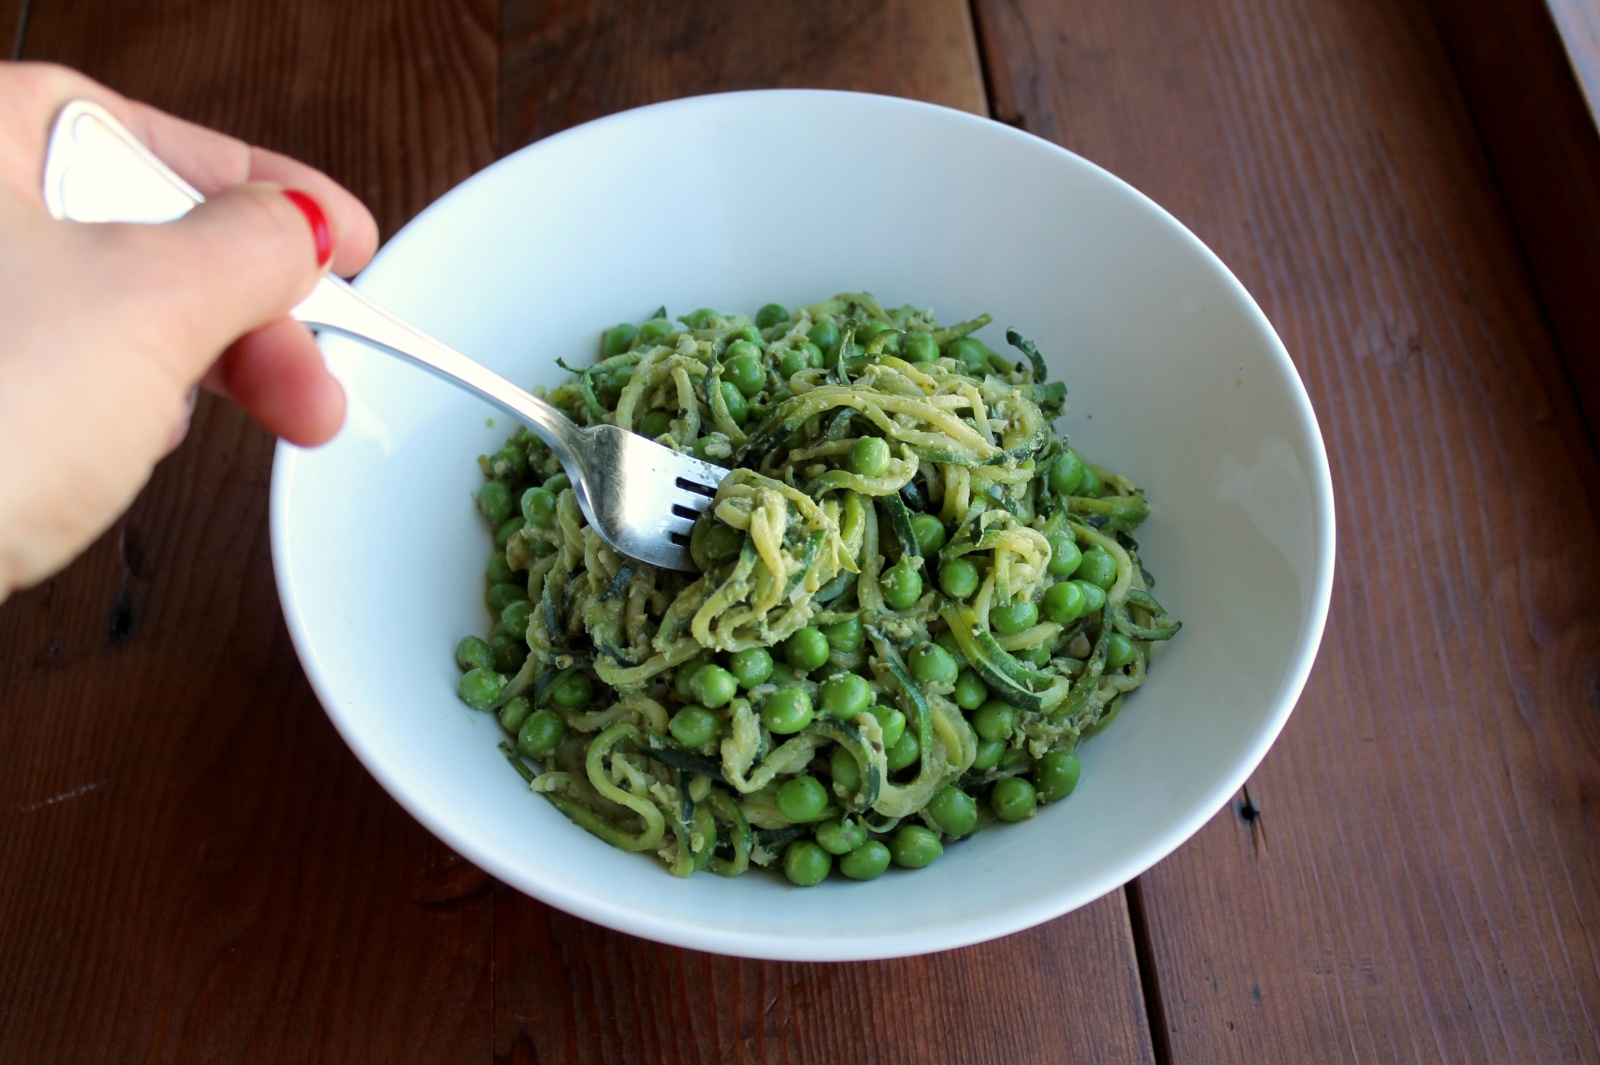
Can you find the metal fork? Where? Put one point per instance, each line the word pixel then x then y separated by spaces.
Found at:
pixel 638 496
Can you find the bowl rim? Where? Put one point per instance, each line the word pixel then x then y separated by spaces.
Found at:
pixel 797 946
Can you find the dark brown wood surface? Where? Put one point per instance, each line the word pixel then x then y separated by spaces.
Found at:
pixel 1578 22
pixel 1411 875
pixel 192 866
pixel 195 868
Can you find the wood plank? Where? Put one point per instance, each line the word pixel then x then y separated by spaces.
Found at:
pixel 569 63
pixel 13 20
pixel 1413 874
pixel 1579 24
pixel 192 865
pixel 569 991
pixel 1543 147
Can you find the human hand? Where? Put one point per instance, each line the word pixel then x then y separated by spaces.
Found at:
pixel 109 327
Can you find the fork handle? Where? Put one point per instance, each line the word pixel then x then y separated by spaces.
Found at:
pixel 96 171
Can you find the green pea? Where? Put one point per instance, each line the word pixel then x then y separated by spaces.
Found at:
pixel 906 750
pixel 1063 602
pixel 844 695
pixel 869 456
pixel 572 691
pixel 786 711
pixel 713 686
pixel 738 406
pixel 1066 473
pixel 918 348
pixel 480 687
pixel 686 671
pixel 1097 567
pixel 540 734
pixel 1014 616
pixel 958 578
pixel 806 649
pixel 932 664
pixel 1092 484
pixel 1064 556
pixel 929 533
pixel 915 846
pixel 618 339
pixel 802 356
pixel 892 723
pixel 1056 775
pixel 825 335
pixel 802 799
pixel 973 355
pixel 494 501
pixel 514 618
pixel 723 541
pixel 870 329
pixel 970 690
pixel 749 334
pixel 948 641
pixel 1013 799
pixel 846 771
pixel 499 595
pixel 743 366
pixel 473 652
pixel 500 571
pixel 654 330
pixel 704 318
pixel 866 862
pixel 806 864
pixel 1094 597
pixel 694 726
pixel 751 666
pixel 1034 656
pixel 840 837
pixel 953 810
pixel 539 506
pixel 655 424
pixel 509 653
pixel 901 584
pixel 512 526
pixel 845 635
pixel 782 675
pixel 994 720
pixel 989 752
pixel 770 315
pixel 510 464
pixel 1119 651
pixel 514 713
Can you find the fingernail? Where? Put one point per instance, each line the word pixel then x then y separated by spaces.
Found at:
pixel 320 230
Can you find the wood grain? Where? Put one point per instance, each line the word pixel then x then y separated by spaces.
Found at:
pixel 1411 874
pixel 192 865
pixel 566 63
pixel 570 992
pixel 1579 24
pixel 1543 148
pixel 13 20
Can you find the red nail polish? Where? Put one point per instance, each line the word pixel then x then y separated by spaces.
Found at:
pixel 320 230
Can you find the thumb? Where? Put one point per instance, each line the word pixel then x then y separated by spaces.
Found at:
pixel 235 263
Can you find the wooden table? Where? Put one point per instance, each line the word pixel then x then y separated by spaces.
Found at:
pixel 194 868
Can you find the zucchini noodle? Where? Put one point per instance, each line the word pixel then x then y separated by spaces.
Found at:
pixel 915 599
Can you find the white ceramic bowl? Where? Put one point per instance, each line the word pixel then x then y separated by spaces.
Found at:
pixel 733 201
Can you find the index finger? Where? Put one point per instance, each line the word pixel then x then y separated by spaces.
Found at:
pixel 212 161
